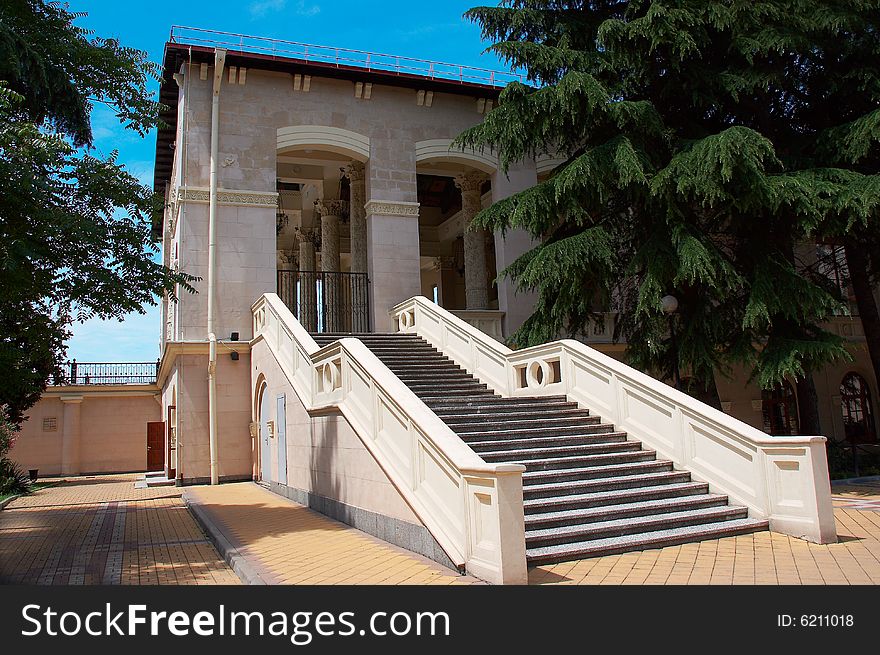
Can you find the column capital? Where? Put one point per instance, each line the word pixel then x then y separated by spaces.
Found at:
pixel 356 171
pixel 71 398
pixel 470 181
pixel 332 208
pixel 308 235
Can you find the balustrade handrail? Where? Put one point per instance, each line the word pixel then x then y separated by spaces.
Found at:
pixel 784 479
pixel 367 60
pixel 74 373
pixel 345 376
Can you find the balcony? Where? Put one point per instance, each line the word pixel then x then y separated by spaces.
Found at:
pixel 327 301
pixel 106 373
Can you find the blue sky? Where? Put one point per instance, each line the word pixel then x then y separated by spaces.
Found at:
pixel 430 31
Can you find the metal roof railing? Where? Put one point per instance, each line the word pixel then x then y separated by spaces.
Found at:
pixel 341 57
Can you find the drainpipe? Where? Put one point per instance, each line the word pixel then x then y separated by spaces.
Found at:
pixel 219 63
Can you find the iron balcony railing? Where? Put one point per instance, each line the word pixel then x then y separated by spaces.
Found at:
pixel 327 302
pixel 341 57
pixel 74 372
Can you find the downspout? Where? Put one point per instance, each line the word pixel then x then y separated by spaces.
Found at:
pixel 219 62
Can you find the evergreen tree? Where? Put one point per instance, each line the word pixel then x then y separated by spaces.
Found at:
pixel 705 143
pixel 75 228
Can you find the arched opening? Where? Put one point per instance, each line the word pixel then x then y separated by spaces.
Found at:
pixel 779 407
pixel 264 413
pixel 855 405
pixel 321 227
pixel 458 266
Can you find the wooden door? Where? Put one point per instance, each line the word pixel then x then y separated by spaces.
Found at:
pixel 155 445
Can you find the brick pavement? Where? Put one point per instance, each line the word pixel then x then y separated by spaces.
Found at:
pixel 94 530
pixel 101 530
pixel 287 543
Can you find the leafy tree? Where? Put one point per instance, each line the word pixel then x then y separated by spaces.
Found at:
pixel 74 227
pixel 704 144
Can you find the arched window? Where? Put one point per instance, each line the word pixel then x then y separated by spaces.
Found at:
pixel 779 407
pixel 855 404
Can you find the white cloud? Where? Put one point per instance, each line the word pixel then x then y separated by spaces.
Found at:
pixel 307 10
pixel 260 8
pixel 135 339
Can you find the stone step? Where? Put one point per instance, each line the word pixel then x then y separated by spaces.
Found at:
pixel 462 394
pixel 517 431
pixel 524 455
pixel 413 359
pixel 437 378
pixel 499 404
pixel 549 490
pixel 622 510
pixel 515 415
pixel 433 384
pixel 614 497
pixel 545 442
pixel 642 541
pixel 596 472
pixel 585 460
pixel 633 525
pixel 476 431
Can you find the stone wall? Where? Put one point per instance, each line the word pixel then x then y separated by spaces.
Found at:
pixel 101 432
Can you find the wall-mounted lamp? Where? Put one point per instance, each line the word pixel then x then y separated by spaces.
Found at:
pixel 233 336
pixel 234 356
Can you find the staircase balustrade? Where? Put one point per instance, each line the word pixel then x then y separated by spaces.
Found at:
pixel 473 509
pixel 781 479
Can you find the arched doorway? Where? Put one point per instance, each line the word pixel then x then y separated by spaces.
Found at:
pixel 265 406
pixel 458 265
pixel 321 227
pixel 855 405
pixel 779 407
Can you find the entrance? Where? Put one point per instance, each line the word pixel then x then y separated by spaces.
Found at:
pixel 265 434
pixel 155 446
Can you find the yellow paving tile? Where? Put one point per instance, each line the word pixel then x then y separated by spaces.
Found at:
pixel 295 545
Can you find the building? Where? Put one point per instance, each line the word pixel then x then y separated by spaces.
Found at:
pixel 316 194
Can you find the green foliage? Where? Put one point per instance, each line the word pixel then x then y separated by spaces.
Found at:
pixel 8 430
pixel 13 480
pixel 75 238
pixel 704 143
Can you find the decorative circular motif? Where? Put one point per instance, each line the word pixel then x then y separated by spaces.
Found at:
pixel 406 320
pixel 330 377
pixel 538 374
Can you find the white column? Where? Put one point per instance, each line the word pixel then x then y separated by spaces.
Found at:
pixel 356 173
pixel 70 438
pixel 476 277
pixel 330 212
pixel 308 303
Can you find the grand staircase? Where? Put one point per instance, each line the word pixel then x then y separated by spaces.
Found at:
pixel 588 489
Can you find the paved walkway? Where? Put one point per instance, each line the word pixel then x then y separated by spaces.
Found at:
pixel 101 530
pixel 283 542
pixel 762 558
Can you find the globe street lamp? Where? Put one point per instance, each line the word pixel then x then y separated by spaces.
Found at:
pixel 669 305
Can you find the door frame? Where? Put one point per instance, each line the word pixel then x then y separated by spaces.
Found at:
pixel 150 425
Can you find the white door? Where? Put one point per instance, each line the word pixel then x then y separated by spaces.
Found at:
pixel 265 450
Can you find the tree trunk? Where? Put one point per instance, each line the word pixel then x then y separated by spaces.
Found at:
pixel 705 391
pixel 808 405
pixel 857 262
